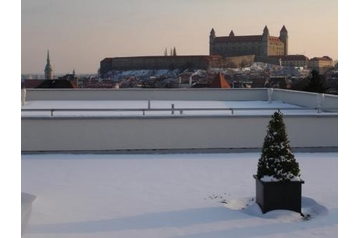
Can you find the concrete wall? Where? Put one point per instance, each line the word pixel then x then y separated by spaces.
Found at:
pixel 146 94
pixel 304 99
pixel 174 133
pixel 307 99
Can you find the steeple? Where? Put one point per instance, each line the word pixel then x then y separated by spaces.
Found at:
pixel 283 29
pixel 212 33
pixel 48 56
pixel 48 68
pixel 266 31
pixel 212 42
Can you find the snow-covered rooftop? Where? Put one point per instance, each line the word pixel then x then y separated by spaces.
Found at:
pixel 171 195
pixel 157 107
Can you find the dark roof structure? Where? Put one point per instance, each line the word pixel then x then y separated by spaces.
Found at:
pixel 56 83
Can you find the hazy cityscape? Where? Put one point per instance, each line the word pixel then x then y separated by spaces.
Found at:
pixel 254 61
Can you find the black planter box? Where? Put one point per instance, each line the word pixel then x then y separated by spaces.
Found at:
pixel 285 195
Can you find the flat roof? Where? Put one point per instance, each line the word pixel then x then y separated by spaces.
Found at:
pixel 159 108
pixel 171 195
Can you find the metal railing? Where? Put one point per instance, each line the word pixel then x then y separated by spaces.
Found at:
pixel 172 110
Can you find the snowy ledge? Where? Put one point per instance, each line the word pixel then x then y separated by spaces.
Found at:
pixel 273 179
pixel 267 178
pixel 26 207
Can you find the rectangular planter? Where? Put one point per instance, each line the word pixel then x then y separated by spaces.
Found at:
pixel 285 195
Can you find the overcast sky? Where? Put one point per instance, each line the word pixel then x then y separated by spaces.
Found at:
pixel 80 33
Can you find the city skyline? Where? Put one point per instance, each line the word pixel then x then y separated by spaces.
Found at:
pixel 79 36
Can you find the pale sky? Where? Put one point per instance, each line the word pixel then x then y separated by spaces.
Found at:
pixel 80 33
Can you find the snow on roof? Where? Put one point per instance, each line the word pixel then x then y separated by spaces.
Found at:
pixel 157 107
pixel 171 195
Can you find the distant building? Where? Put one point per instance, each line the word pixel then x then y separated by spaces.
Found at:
pixel 48 67
pixel 260 45
pixel 321 64
pixel 293 60
pixel 160 62
pixel 70 77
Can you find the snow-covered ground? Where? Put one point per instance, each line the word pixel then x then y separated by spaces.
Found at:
pixel 171 195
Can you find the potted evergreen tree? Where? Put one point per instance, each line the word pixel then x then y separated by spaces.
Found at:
pixel 278 182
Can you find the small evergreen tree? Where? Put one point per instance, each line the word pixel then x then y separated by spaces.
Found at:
pixel 174 52
pixel 276 159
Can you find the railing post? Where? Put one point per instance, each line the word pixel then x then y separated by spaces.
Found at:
pixel 148 104
pixel 269 94
pixel 172 109
pixel 320 101
pixel 23 96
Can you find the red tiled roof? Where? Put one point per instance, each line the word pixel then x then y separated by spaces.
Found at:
pixel 219 82
pixel 238 38
pixel 274 39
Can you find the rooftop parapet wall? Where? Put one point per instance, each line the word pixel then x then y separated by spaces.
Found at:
pixel 147 94
pixel 176 132
pixel 304 99
pixel 208 133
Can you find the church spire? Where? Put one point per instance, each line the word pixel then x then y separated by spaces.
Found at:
pixel 48 56
pixel 48 68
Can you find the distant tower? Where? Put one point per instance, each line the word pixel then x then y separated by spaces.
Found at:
pixel 48 68
pixel 284 38
pixel 265 42
pixel 211 42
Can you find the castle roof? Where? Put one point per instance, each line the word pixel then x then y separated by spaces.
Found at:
pixel 223 39
pixel 274 40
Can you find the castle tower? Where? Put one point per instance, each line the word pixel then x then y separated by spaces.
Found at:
pixel 48 68
pixel 265 42
pixel 284 38
pixel 211 41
